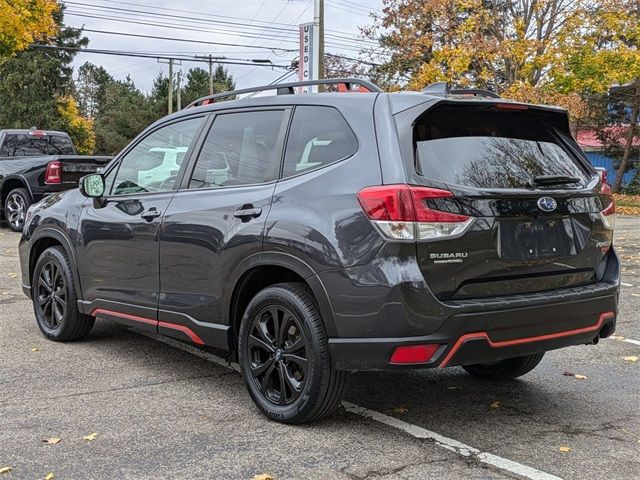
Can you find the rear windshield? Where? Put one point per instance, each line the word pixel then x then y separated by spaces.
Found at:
pixel 488 148
pixel 26 145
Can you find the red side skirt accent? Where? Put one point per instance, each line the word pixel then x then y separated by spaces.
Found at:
pixel 173 326
pixel 519 341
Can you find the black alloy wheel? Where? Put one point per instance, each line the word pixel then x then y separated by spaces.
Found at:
pixel 55 301
pixel 51 294
pixel 284 356
pixel 277 352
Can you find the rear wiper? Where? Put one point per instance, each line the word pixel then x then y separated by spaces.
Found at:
pixel 542 180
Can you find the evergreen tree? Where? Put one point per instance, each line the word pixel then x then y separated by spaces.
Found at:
pixel 125 113
pixel 91 86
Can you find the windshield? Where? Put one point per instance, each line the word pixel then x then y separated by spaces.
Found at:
pixel 484 148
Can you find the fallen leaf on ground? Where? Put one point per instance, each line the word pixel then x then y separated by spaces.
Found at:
pixel 495 404
pixel 565 449
pixel 263 476
pixel 617 337
pixel 568 374
pixel 49 477
pixel 14 275
pixel 399 410
pixel 635 294
pixel 454 388
pixel 90 437
pixel 35 349
pixel 580 377
pixel 52 440
pixel 5 469
pixel 631 358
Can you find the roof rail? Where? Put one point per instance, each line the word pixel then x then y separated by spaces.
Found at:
pixel 443 89
pixel 344 84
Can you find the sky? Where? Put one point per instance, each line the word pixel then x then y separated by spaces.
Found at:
pixel 252 23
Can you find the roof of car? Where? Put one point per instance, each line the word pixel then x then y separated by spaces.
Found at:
pixel 18 131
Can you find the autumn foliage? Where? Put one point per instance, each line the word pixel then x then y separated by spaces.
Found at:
pixel 22 22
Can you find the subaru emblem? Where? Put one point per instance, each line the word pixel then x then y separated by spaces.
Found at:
pixel 547 204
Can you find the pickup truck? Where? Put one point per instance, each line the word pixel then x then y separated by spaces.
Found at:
pixel 36 163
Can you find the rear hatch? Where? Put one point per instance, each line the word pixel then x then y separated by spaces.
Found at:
pixel 510 202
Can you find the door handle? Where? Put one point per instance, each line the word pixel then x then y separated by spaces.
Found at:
pixel 151 214
pixel 247 212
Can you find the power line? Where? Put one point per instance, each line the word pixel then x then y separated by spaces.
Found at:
pixel 220 60
pixel 157 37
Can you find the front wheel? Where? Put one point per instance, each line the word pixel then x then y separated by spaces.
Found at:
pixel 284 356
pixel 15 208
pixel 505 369
pixel 55 301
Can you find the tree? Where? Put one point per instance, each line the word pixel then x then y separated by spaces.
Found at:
pixel 79 128
pixel 125 113
pixel 91 85
pixel 36 84
pixel 22 22
pixel 488 43
pixel 197 85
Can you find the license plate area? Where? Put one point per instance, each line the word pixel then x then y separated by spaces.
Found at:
pixel 536 238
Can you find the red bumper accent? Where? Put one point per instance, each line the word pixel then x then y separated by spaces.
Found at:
pixel 186 330
pixel 518 341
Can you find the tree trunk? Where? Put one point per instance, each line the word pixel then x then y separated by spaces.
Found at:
pixel 635 109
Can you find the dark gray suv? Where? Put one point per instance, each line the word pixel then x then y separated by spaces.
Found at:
pixel 312 235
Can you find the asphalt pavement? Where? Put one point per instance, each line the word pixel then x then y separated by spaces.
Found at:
pixel 160 409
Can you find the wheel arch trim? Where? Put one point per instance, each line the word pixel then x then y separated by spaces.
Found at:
pixel 290 262
pixel 56 234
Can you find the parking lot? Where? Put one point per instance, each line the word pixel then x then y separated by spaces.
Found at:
pixel 162 409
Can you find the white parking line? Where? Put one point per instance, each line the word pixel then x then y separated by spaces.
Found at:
pixel 626 284
pixel 624 339
pixel 413 430
pixel 451 444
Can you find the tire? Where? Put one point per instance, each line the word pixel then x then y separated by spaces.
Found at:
pixel 15 208
pixel 55 301
pixel 506 369
pixel 268 361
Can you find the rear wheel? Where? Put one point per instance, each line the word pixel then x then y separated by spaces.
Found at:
pixel 505 369
pixel 284 356
pixel 55 301
pixel 15 208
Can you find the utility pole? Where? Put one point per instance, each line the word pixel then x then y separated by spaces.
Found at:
pixel 170 96
pixel 321 38
pixel 178 88
pixel 210 59
pixel 171 62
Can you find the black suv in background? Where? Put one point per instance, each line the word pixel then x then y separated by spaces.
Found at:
pixel 317 234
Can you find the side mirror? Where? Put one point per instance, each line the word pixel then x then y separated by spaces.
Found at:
pixel 92 186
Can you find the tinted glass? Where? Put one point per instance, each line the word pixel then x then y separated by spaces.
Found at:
pixel 154 163
pixel 240 149
pixel 17 145
pixel 485 148
pixel 319 136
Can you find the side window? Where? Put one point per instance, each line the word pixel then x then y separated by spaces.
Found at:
pixel 241 148
pixel 155 161
pixel 319 136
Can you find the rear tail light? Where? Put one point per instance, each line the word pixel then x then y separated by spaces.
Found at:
pixel 414 353
pixel 608 214
pixel 401 212
pixel 53 173
pixel 602 172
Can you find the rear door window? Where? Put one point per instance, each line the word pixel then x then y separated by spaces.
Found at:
pixel 241 148
pixel 486 148
pixel 319 136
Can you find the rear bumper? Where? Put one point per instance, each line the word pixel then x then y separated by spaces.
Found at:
pixel 490 335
